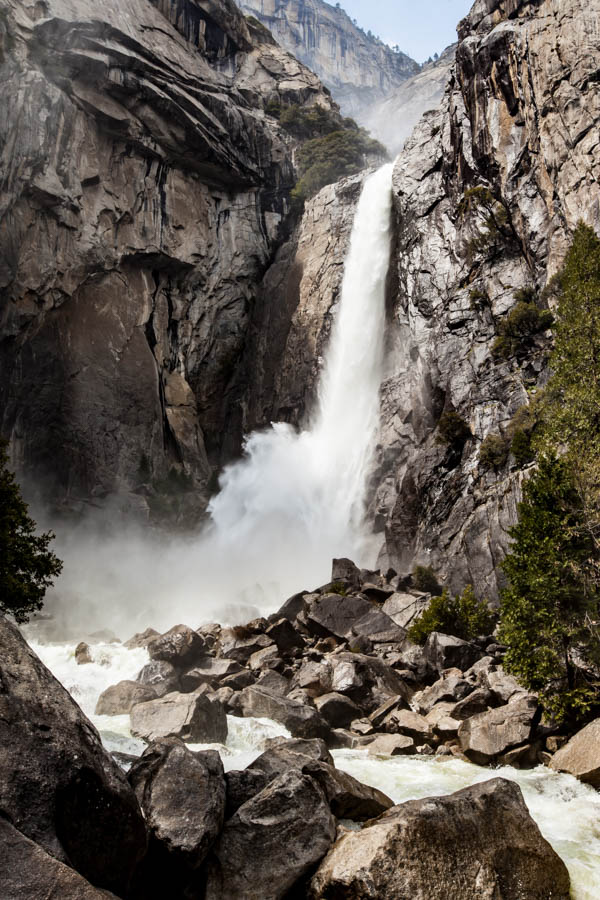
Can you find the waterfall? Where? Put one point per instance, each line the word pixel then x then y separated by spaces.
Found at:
pixel 296 498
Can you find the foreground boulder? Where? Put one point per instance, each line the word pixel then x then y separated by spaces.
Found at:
pixel 272 841
pixel 182 795
pixel 160 675
pixel 486 736
pixel 27 871
pixel 198 718
pixel 58 786
pixel 581 755
pixel 480 842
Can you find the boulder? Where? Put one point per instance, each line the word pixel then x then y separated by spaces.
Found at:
pixel 376 592
pixel 478 701
pixel 274 682
pixel 285 636
pixel 448 689
pixel 83 654
pixel 486 736
pixel 240 680
pixel 267 658
pixel 367 680
pixel 348 798
pixel 442 721
pixel 404 609
pixel 182 795
pixel 58 786
pixel 197 718
pixel 209 671
pixel 142 639
pixel 581 755
pixel 502 685
pixel 313 677
pixel 272 841
pixel 378 628
pixel 27 872
pixel 408 723
pixel 446 652
pixel 300 720
pixel 160 675
pixel 478 842
pixel 335 614
pixel 181 646
pixel 315 748
pixel 240 648
pixel 377 716
pixel 391 745
pixel 292 608
pixel 345 570
pixel 241 786
pixel 119 699
pixel 337 710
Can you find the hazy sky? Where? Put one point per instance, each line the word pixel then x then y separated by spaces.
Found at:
pixel 419 27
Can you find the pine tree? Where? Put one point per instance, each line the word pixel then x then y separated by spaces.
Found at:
pixel 27 566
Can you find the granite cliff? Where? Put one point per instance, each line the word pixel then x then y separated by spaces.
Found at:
pixel 518 123
pixel 358 68
pixel 143 191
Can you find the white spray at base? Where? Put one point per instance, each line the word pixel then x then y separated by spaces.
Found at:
pixel 297 499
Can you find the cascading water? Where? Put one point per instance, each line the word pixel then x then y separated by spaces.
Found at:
pixel 296 499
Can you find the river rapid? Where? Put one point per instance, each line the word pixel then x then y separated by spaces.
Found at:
pixel 567 812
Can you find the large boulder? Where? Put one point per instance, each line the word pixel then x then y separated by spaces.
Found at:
pixel 391 745
pixel 181 646
pixel 238 645
pixel 487 735
pixel 142 638
pixel 367 680
pixel 450 688
pixel 58 786
pixel 313 677
pixel 285 636
pixel 337 710
pixel 209 671
pixel 300 719
pixel 446 652
pixel 479 842
pixel 404 609
pixel 272 841
pixel 182 795
pixel 197 718
pixel 581 755
pixel 27 872
pixel 409 723
pixel 119 699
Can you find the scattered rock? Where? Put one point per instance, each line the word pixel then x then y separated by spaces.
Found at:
pixel 478 701
pixel 119 699
pixel 209 671
pixel 478 842
pixel 142 639
pixel 334 614
pixel 83 654
pixel 391 745
pixel 300 720
pixel 272 841
pixel 197 718
pixel 581 755
pixel 285 636
pixel 404 609
pixel 450 688
pixel 242 648
pixel 446 652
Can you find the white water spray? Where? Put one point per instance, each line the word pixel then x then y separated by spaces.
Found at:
pixel 296 499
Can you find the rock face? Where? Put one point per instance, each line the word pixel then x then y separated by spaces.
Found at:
pixel 520 118
pixel 58 786
pixel 143 190
pixel 478 842
pixel 581 755
pixel 358 68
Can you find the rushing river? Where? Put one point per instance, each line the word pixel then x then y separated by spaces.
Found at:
pixel 567 812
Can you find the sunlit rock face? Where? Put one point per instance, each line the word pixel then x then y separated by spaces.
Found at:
pixel 519 117
pixel 142 196
pixel 358 68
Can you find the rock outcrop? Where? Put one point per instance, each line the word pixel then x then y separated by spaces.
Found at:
pixel 478 842
pixel 358 68
pixel 143 192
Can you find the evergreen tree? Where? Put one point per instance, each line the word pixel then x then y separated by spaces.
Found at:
pixel 550 609
pixel 27 566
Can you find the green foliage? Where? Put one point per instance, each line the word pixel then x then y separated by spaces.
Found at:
pixel 488 219
pixel 425 579
pixel 516 331
pixel 493 452
pixel 453 431
pixel 324 160
pixel 479 299
pixel 27 566
pixel 550 607
pixel 463 616
pixel 338 587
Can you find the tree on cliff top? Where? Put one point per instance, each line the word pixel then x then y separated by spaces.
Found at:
pixel 27 566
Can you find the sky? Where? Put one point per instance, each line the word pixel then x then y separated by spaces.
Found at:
pixel 419 27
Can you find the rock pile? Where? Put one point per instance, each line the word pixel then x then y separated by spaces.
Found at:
pixel 290 824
